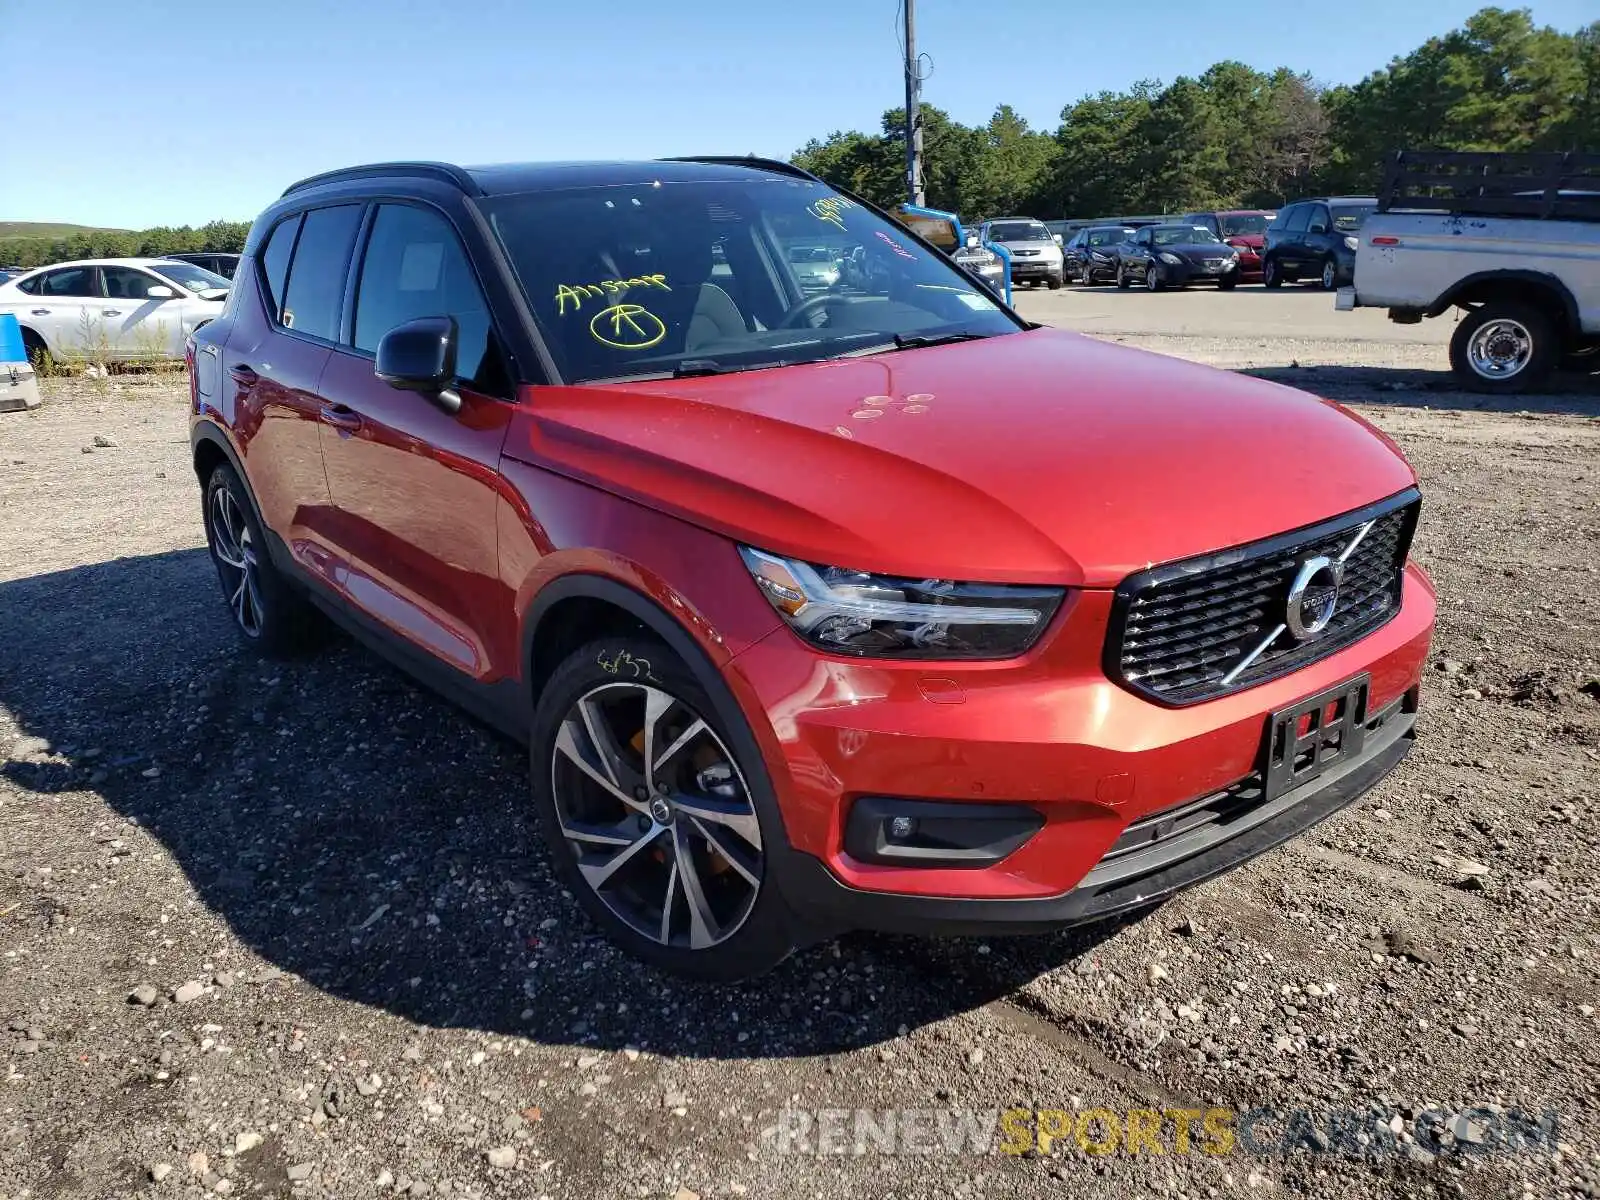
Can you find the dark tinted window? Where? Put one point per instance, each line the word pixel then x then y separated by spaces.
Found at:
pixel 415 267
pixel 1298 216
pixel 316 277
pixel 1318 219
pixel 1348 218
pixel 71 281
pixel 275 260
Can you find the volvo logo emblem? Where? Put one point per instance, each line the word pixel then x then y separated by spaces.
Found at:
pixel 1313 597
pixel 661 810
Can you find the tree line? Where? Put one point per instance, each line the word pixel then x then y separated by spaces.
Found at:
pixel 1239 137
pixel 28 252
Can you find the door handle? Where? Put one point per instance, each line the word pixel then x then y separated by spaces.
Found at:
pixel 346 420
pixel 111 312
pixel 243 373
pixel 39 312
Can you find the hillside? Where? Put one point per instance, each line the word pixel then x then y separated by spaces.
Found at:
pixel 48 229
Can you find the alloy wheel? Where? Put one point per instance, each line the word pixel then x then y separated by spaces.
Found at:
pixel 1152 278
pixel 657 815
pixel 1329 277
pixel 1501 349
pixel 235 552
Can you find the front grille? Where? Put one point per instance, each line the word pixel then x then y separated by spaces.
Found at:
pixel 1180 631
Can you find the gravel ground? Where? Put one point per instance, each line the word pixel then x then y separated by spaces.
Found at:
pixel 286 932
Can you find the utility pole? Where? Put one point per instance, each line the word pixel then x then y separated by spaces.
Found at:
pixel 913 109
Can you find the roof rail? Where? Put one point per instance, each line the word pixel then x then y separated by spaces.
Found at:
pixel 746 160
pixel 443 172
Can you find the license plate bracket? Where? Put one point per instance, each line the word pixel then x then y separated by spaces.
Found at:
pixel 1306 739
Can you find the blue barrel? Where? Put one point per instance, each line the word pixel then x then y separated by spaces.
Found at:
pixel 11 350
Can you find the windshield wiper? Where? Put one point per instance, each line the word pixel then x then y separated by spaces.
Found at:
pixel 917 340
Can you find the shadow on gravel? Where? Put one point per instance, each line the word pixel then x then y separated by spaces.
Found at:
pixel 357 832
pixel 1569 394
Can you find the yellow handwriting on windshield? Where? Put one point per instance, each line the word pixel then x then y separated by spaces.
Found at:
pixel 831 209
pixel 577 293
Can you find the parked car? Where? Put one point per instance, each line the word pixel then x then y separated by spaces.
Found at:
pixel 1035 254
pixel 602 508
pixel 1162 256
pixel 983 263
pixel 814 267
pixel 1519 210
pixel 1245 229
pixel 115 308
pixel 217 263
pixel 1091 255
pixel 1315 239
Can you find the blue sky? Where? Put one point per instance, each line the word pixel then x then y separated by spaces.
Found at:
pixel 168 112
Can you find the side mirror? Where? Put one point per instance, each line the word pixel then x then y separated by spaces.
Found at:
pixel 1058 238
pixel 1318 229
pixel 158 291
pixel 420 356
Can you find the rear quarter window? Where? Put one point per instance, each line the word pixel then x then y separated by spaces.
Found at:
pixel 275 261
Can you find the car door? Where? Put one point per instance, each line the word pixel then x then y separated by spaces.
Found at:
pixel 274 358
pixel 1138 257
pixel 1292 247
pixel 57 308
pixel 1318 241
pixel 415 487
pixel 139 325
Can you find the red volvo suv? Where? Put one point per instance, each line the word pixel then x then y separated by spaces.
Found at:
pixel 867 606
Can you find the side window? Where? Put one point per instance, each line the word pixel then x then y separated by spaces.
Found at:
pixel 414 267
pixel 275 261
pixel 31 286
pixel 316 276
pixel 70 281
pixel 124 283
pixel 1298 216
pixel 1319 218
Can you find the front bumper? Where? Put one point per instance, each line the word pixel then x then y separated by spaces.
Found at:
pixel 1048 731
pixel 1195 273
pixel 1035 268
pixel 1126 884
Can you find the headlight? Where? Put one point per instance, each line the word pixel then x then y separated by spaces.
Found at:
pixel 1350 243
pixel 1171 258
pixel 1098 257
pixel 853 612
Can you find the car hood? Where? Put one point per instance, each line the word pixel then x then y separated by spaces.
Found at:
pixel 1040 244
pixel 1197 251
pixel 1254 240
pixel 1041 456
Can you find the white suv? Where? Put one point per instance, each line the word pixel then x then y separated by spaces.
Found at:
pixel 113 308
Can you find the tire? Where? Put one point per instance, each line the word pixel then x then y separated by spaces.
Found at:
pixel 1122 277
pixel 1330 275
pixel 38 352
pixel 1227 285
pixel 588 776
pixel 268 614
pixel 1271 273
pixel 1054 282
pixel 1521 339
pixel 1086 276
pixel 1152 278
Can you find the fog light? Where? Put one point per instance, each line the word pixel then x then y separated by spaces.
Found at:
pixel 901 829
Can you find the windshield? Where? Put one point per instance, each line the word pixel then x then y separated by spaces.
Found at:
pixel 191 277
pixel 1348 220
pixel 1253 223
pixel 1018 231
pixel 1182 235
pixel 1108 237
pixel 656 278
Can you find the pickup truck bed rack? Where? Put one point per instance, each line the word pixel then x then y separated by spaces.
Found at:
pixel 1550 186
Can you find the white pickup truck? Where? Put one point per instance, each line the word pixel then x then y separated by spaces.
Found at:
pixel 1511 239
